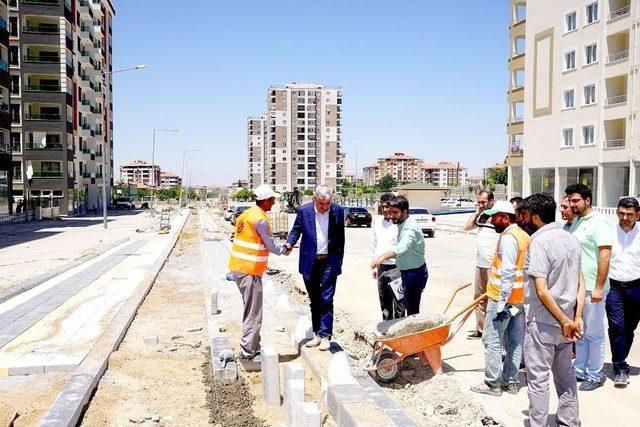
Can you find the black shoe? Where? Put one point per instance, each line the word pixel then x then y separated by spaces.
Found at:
pixel 621 379
pixel 589 385
pixel 475 335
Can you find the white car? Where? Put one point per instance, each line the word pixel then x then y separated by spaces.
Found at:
pixel 425 220
pixel 462 203
pixel 229 212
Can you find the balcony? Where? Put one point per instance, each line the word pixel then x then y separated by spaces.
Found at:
pixel 55 146
pixel 41 29
pixel 619 13
pixel 42 2
pixel 616 100
pixel 617 56
pixel 3 24
pixel 43 117
pixel 47 174
pixel 42 88
pixel 4 66
pixel 614 144
pixel 86 150
pixel 49 59
pixel 86 175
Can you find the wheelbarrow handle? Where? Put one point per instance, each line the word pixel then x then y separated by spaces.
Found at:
pixel 469 307
pixel 453 295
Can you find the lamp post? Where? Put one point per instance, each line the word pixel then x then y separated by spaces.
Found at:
pixel 153 168
pixel 105 146
pixel 189 181
pixel 182 177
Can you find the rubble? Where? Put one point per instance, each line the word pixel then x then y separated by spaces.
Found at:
pixel 408 325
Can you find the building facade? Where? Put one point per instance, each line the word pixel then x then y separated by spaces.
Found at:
pixel 61 106
pixel 301 136
pixel 6 165
pixel 580 111
pixel 444 174
pixel 140 172
pixel 169 180
pixel 402 167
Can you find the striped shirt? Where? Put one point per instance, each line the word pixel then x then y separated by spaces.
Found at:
pixel 554 255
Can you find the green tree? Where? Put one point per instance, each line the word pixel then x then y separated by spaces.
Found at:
pixel 242 194
pixel 387 182
pixel 499 176
pixel 308 192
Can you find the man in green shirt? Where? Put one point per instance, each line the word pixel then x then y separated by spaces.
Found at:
pixel 595 235
pixel 409 254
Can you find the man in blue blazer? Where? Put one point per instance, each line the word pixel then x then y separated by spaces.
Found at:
pixel 321 226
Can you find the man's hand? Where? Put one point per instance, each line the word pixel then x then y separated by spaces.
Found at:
pixel 571 331
pixel 376 263
pixel 580 324
pixel 287 249
pixel 374 273
pixel 596 296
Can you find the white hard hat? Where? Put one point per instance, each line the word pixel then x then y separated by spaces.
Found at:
pixel 501 206
pixel 264 192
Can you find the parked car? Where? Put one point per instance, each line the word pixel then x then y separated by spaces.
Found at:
pixel 462 203
pixel 229 212
pixel 236 213
pixel 125 203
pixel 447 202
pixel 357 216
pixel 425 220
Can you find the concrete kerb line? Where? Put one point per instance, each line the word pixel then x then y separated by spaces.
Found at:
pixel 68 406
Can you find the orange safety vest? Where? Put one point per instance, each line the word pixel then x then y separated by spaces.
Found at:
pixel 494 285
pixel 249 255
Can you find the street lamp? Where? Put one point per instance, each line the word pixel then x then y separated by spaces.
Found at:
pixel 189 182
pixel 182 177
pixel 153 169
pixel 105 146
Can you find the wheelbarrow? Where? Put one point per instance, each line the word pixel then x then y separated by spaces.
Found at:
pixel 389 353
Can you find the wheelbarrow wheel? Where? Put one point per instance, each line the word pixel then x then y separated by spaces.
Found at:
pixel 388 367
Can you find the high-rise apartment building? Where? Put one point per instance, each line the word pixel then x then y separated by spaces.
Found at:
pixel 140 172
pixel 61 101
pixel 444 174
pixel 579 107
pixel 402 167
pixel 6 166
pixel 301 138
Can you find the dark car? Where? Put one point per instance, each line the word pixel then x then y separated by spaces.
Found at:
pixel 356 216
pixel 236 213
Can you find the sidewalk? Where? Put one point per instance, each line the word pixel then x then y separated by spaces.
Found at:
pixel 32 249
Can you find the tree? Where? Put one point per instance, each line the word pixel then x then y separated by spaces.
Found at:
pixel 387 182
pixel 498 176
pixel 308 192
pixel 242 194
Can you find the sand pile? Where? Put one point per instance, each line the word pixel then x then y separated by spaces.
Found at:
pixel 408 325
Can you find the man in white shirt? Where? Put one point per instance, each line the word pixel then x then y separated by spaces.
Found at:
pixel 486 240
pixel 623 299
pixel 385 238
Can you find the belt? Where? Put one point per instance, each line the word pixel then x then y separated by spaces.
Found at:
pixel 415 269
pixel 322 256
pixel 619 284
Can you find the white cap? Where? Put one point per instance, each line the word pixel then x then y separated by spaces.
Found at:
pixel 264 192
pixel 501 206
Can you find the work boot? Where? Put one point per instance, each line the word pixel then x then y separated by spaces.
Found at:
pixel 589 385
pixel 475 335
pixel 621 379
pixel 485 389
pixel 325 344
pixel 314 342
pixel 511 388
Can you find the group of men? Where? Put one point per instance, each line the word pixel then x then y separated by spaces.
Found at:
pixel 550 289
pixel 548 285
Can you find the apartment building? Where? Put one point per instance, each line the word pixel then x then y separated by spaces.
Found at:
pixel 256 147
pixel 61 102
pixel 301 137
pixel 580 111
pixel 169 180
pixel 402 167
pixel 6 166
pixel 444 174
pixel 140 172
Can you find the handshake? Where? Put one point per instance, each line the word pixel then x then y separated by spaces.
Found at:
pixel 287 249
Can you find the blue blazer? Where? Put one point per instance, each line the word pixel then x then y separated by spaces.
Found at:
pixel 305 227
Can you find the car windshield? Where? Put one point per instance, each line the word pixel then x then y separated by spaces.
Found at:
pixel 242 208
pixel 418 211
pixel 357 210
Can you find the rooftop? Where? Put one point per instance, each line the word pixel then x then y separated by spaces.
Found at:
pixel 443 165
pixel 419 186
pixel 397 156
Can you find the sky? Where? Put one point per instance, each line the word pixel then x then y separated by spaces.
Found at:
pixel 423 77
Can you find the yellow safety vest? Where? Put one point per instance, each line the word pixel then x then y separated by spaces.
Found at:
pixel 517 292
pixel 249 255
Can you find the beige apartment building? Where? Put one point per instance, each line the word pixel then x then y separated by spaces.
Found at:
pixel 140 172
pixel 578 109
pixel 169 180
pixel 406 169
pixel 298 142
pixel 444 174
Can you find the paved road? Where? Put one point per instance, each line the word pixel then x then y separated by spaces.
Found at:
pixel 451 259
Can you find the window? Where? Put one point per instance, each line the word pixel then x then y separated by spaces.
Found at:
pixel 15 84
pixel 588 134
pixel 567 137
pixel 14 55
pixel 590 94
pixel 570 60
pixel 591 54
pixel 592 12
pixel 13 26
pixel 570 22
pixel 569 98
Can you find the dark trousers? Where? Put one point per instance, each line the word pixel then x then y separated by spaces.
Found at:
pixel 391 308
pixel 321 286
pixel 623 312
pixel 414 282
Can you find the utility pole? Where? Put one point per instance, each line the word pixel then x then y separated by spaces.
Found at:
pixel 153 168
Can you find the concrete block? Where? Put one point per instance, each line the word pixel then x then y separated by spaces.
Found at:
pixel 151 340
pixel 310 415
pixel 270 368
pixel 340 394
pixel 293 371
pixel 362 414
pixel 214 302
pixel 339 371
pixel 283 303
pixel 303 331
pixel 293 395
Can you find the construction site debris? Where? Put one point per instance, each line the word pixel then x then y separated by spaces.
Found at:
pixel 152 340
pixel 195 329
pixel 408 325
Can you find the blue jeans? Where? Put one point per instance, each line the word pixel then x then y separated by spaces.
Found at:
pixel 590 349
pixel 507 333
pixel 623 312
pixel 321 286
pixel 414 281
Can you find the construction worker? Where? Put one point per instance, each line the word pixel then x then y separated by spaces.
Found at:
pixel 505 317
pixel 251 246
